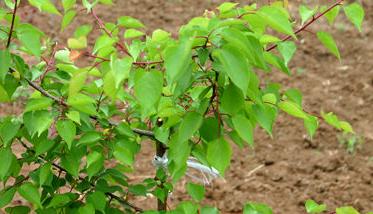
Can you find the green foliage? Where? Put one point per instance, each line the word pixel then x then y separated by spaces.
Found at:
pixel 195 96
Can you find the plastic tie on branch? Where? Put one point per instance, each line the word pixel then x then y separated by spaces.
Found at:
pixel 207 173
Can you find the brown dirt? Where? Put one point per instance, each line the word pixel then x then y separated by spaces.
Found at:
pixel 289 167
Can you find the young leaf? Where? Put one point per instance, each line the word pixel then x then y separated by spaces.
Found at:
pixel 129 22
pixel 6 158
pixel 189 125
pixel 287 50
pixel 8 130
pixel 98 199
pixel 234 65
pixel 45 173
pixel 332 14
pixel 328 41
pixel 29 192
pixel 265 115
pixel 95 162
pixel 197 192
pixel 355 13
pixel 71 163
pixel 6 196
pixel 5 61
pixel 37 121
pixel 44 6
pixel 77 82
pixel 148 90
pixel 219 154
pixel 67 19
pixel 314 208
pixel 292 109
pixel 83 103
pixel 35 104
pixel 68 4
pixel 244 128
pixel 306 13
pixel 257 208
pixel 132 33
pixel 67 130
pixel 346 210
pixel 232 100
pixel 30 38
pixel 277 19
pixel 177 59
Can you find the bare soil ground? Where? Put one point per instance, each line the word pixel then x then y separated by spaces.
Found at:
pixel 288 169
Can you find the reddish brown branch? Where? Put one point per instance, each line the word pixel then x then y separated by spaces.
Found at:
pixel 314 18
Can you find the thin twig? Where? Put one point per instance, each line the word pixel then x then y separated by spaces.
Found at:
pixel 12 24
pixel 339 2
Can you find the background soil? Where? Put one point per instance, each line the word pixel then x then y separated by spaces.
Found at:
pixel 288 169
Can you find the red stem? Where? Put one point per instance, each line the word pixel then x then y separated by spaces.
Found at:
pixel 339 2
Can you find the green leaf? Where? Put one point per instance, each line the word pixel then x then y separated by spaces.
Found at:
pixel 5 61
pixel 71 163
pixel 265 115
pixel 306 13
pixel 124 153
pixel 30 38
pixel 294 95
pixel 226 6
pixel 244 128
pixel 83 103
pixel 6 196
pixel 277 19
pixel 355 13
pixel 277 62
pixel 328 41
pixel 67 19
pixel 98 199
pixel 209 210
pixel 311 124
pixel 177 59
pixel 314 208
pixel 68 4
pixel 37 121
pixel 249 45
pixel 189 125
pixel 196 191
pixel 148 90
pixel 6 159
pixel 332 14
pixel 121 69
pixel 95 162
pixel 287 50
pixel 346 210
pixel 82 31
pixel 67 130
pixel 44 6
pixel 77 43
pixel 61 200
pixel 129 22
pixel 132 33
pixel 209 130
pixel 35 104
pixel 292 109
pixel 45 173
pixel 87 209
pixel 8 130
pixel 257 208
pixel 232 100
pixel 333 120
pixel 89 138
pixel 18 210
pixel 219 154
pixel 234 64
pixel 74 116
pixel 29 192
pixel 77 82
